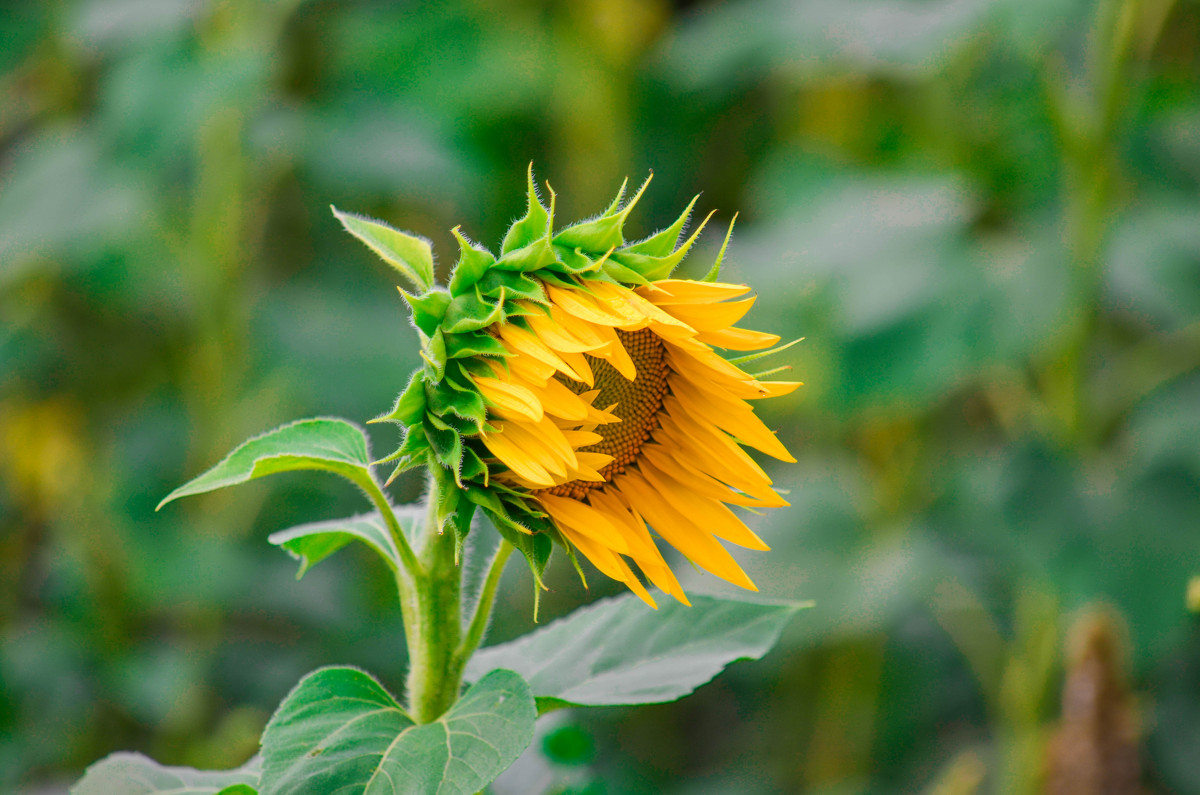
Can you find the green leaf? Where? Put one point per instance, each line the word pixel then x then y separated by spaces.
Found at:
pixel 617 651
pixel 313 542
pixel 410 254
pixel 134 774
pixel 326 443
pixel 339 730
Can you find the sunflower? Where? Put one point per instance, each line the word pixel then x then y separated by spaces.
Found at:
pixel 571 390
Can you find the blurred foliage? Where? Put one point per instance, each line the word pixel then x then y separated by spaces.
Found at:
pixel 984 216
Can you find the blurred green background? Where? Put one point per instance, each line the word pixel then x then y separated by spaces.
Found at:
pixel 983 215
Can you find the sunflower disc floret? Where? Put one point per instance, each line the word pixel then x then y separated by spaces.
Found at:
pixel 570 390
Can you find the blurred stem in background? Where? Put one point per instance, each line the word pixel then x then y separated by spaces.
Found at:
pixel 1015 675
pixel 1090 117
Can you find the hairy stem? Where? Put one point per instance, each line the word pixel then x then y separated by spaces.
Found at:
pixel 434 633
pixel 483 607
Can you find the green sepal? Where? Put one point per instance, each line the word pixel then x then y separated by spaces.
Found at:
pixel 472 312
pixel 460 523
pixel 433 351
pixel 466 427
pixel 533 225
pixel 572 261
pixel 463 346
pixel 444 400
pixel 410 254
pixel 616 202
pixel 604 232
pixel 410 404
pixel 448 492
pixel 415 443
pixel 444 441
pixel 558 280
pixel 750 357
pixel 598 234
pixel 662 243
pixel 414 452
pixel 516 310
pixel 428 309
pixel 473 466
pixel 714 272
pixel 621 274
pixel 527 259
pixel 484 498
pixel 473 263
pixel 655 268
pixel 514 284
pixel 536 547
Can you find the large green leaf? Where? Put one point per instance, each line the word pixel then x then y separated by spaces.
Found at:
pixel 340 731
pixel 618 652
pixel 133 774
pixel 313 542
pixel 323 443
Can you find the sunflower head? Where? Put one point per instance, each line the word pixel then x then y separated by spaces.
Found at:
pixel 571 391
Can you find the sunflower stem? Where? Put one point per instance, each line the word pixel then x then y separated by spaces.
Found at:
pixel 483 607
pixel 408 574
pixel 434 632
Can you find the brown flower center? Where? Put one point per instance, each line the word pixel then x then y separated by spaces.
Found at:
pixel 636 402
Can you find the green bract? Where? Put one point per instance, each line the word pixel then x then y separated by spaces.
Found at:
pixel 441 409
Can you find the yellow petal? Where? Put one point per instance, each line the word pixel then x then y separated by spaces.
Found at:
pixel 688 470
pixel 556 399
pixel 778 388
pixel 521 341
pixel 711 317
pixel 510 400
pixel 516 459
pixel 738 339
pixel 732 416
pixel 704 512
pixel 579 370
pixel 611 564
pixel 717 457
pixel 556 336
pixel 686 291
pixel 577 303
pixel 633 529
pixel 584 519
pixel 616 355
pixel 696 544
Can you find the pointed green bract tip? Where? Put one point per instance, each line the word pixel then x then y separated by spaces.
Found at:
pixel 410 254
pixel 715 271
